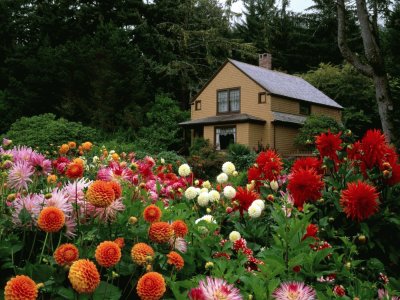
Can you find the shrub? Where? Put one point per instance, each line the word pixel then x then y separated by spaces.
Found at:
pixel 313 126
pixel 241 156
pixel 45 130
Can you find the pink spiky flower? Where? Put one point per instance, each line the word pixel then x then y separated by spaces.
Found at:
pixel 294 290
pixel 218 289
pixel 19 175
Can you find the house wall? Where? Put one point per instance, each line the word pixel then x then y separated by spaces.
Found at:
pixel 284 139
pixel 231 77
pixel 258 135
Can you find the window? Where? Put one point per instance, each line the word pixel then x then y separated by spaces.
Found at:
pixel 224 136
pixel 305 108
pixel 262 97
pixel 228 101
pixel 197 105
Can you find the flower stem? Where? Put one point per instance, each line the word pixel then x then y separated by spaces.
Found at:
pixel 44 245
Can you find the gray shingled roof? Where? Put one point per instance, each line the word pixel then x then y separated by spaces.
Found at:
pixel 288 118
pixel 225 119
pixel 286 85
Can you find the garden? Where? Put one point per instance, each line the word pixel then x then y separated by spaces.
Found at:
pixel 81 221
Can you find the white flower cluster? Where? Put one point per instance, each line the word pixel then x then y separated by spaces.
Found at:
pixel 207 218
pixel 184 170
pixel 256 208
pixel 228 168
pixel 234 236
pixel 191 193
pixel 222 178
pixel 229 192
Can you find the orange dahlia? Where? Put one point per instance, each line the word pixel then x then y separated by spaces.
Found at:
pixel 84 276
pixel 151 286
pixel 120 242
pixel 51 219
pixel 71 145
pixel 180 228
pixel 108 254
pixel 100 193
pixel 20 287
pixel 87 146
pixel 152 213
pixel 139 253
pixel 176 260
pixel 66 254
pixel 160 232
pixel 63 149
pixel 117 188
pixel 51 179
pixel 74 170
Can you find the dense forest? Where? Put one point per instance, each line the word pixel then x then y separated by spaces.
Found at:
pixel 103 63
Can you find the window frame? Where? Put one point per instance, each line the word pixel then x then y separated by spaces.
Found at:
pixel 218 148
pixel 304 105
pixel 262 95
pixel 229 111
pixel 197 105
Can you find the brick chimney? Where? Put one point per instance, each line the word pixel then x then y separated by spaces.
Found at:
pixel 265 60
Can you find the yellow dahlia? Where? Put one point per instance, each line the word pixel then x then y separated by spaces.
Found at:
pixel 84 276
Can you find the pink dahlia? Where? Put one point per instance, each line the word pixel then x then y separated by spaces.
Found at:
pixel 294 291
pixel 27 207
pixel 218 289
pixel 19 175
pixel 40 163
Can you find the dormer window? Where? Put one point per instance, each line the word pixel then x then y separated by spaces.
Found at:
pixel 228 101
pixel 305 108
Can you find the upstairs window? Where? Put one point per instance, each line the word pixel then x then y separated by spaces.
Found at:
pixel 305 108
pixel 228 101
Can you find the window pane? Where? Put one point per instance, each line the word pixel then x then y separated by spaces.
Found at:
pixel 223 101
pixel 234 99
pixel 224 137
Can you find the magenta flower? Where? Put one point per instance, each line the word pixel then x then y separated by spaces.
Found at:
pixel 294 291
pixel 40 163
pixel 19 175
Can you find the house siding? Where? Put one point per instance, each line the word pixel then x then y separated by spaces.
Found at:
pixel 284 139
pixel 258 135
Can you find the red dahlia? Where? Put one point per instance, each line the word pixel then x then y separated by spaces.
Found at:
pixel 359 201
pixel 307 162
pixel 270 164
pixel 243 199
pixel 327 145
pixel 305 185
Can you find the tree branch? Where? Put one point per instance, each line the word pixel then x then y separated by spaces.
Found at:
pixel 349 55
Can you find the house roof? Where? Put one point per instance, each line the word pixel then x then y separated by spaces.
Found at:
pixel 288 118
pixel 282 84
pixel 225 119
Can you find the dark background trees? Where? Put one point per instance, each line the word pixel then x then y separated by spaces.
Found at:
pixel 103 62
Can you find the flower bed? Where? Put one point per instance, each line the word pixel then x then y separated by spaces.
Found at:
pixel 92 224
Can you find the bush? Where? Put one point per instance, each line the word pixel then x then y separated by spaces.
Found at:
pixel 241 156
pixel 204 160
pixel 313 126
pixel 45 130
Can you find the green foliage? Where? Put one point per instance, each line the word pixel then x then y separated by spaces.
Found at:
pixel 241 156
pixel 352 90
pixel 205 161
pixel 45 131
pixel 313 126
pixel 162 131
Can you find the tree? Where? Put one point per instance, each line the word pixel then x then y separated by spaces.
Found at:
pixel 373 64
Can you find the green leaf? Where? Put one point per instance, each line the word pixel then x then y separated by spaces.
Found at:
pixel 65 293
pixel 106 291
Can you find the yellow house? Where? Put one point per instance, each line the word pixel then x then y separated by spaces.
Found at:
pixel 256 106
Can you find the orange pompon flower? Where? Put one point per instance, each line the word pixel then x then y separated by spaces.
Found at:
pixel 176 260
pixel 51 219
pixel 20 287
pixel 84 276
pixel 139 253
pixel 120 242
pixel 108 254
pixel 160 232
pixel 180 228
pixel 71 145
pixel 78 160
pixel 117 189
pixel 87 146
pixel 63 149
pixel 74 170
pixel 100 193
pixel 152 213
pixel 66 254
pixel 151 286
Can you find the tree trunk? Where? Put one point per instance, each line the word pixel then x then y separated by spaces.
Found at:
pixel 374 67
